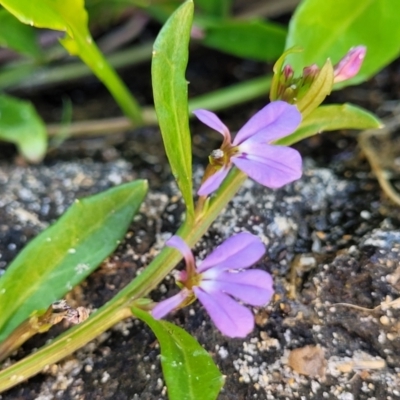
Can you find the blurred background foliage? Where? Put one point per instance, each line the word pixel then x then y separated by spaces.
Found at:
pixel 259 30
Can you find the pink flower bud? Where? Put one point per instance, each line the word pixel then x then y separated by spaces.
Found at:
pixel 197 33
pixel 311 71
pixel 288 72
pixel 350 64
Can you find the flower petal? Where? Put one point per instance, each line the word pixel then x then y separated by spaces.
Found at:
pixel 275 120
pixel 210 119
pixel 239 251
pixel 272 166
pixel 230 317
pixel 253 287
pixel 166 306
pixel 180 244
pixel 213 182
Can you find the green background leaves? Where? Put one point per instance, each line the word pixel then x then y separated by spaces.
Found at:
pixel 71 17
pixel 21 125
pixel 17 36
pixel 258 40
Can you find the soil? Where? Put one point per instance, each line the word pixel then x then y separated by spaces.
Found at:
pixel 332 239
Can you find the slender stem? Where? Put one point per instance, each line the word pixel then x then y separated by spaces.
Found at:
pixel 105 126
pixel 214 101
pixel 61 347
pixel 118 308
pixel 92 56
pixel 233 95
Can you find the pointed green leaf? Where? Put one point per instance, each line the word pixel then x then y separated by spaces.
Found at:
pixel 21 125
pixel 66 253
pixel 71 17
pixel 329 28
pixel 17 36
pixel 331 118
pixel 189 370
pixel 258 40
pixel 170 57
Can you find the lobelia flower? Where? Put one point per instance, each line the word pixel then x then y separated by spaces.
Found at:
pixel 219 278
pixel 251 150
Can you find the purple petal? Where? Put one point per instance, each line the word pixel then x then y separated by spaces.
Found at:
pixel 252 287
pixel 213 182
pixel 166 306
pixel 210 119
pixel 230 317
pixel 239 251
pixel 180 244
pixel 272 166
pixel 276 120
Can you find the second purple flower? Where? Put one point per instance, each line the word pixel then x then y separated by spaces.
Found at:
pixel 251 150
pixel 222 277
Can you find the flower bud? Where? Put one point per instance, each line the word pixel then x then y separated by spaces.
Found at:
pixel 310 72
pixel 350 64
pixel 288 72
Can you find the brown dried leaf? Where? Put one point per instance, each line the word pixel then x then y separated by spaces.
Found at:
pixel 309 361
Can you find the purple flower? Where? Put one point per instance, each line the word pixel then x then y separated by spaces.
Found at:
pixel 218 279
pixel 350 64
pixel 251 150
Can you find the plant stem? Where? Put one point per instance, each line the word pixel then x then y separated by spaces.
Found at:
pixel 214 101
pixel 92 56
pixel 233 95
pixel 24 75
pixel 62 346
pixel 118 309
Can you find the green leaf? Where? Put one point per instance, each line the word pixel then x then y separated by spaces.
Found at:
pixel 216 8
pixel 189 370
pixel 66 253
pixel 71 17
pixel 258 40
pixel 331 118
pixel 17 36
pixel 329 28
pixel 21 125
pixel 170 92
